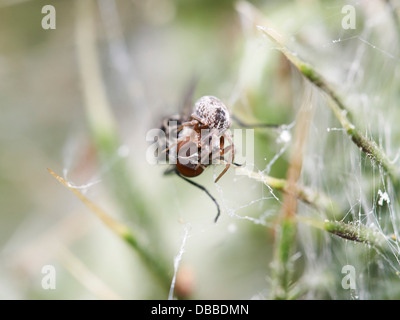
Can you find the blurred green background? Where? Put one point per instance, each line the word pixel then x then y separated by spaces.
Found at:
pixel 79 100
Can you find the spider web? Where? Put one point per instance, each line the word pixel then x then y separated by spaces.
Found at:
pixel 366 65
pixel 232 259
pixel 362 65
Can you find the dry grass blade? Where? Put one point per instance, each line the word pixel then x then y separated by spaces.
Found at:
pixel 114 225
pixel 286 233
pixel 154 263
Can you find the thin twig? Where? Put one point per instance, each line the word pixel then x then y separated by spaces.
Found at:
pixel 350 231
pixel 317 200
pixel 324 205
pixel 341 111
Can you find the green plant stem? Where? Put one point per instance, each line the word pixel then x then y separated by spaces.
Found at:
pixel 154 263
pixel 103 127
pixel 369 147
pixel 395 15
pixel 285 239
pixel 350 231
pixel 318 200
pixel 282 265
pixel 354 232
pixel 324 204
pixel 100 117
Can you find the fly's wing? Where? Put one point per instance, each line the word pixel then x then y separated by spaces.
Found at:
pixel 171 124
pixel 186 108
pixel 170 127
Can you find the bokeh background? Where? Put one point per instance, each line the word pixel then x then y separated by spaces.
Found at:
pixel 80 99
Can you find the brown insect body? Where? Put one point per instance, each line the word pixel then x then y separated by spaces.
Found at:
pixel 192 146
pixel 209 123
pixel 200 140
pixel 188 169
